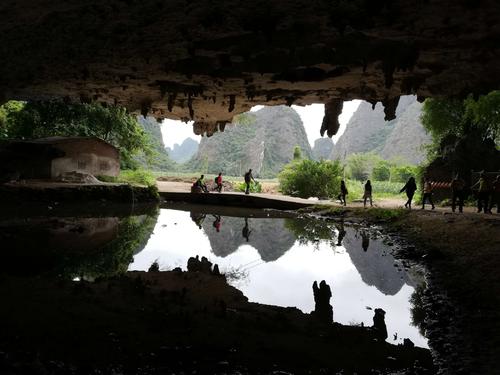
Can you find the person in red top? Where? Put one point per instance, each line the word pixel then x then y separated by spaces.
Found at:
pixel 218 180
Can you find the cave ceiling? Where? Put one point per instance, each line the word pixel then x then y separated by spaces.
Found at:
pixel 208 60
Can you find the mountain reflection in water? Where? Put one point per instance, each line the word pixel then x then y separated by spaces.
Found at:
pixel 276 261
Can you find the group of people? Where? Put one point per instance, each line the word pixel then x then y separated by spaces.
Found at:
pixel 367 195
pixel 201 184
pixel 488 193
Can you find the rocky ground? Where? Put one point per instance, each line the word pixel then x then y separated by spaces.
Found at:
pixel 177 322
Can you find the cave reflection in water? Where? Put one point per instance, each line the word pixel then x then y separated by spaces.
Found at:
pixel 278 259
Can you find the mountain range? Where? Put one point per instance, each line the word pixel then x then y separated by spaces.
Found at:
pixel 401 138
pixel 264 142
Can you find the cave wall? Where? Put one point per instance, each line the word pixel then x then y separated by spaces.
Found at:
pixel 209 60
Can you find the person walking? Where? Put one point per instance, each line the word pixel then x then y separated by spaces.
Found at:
pixel 218 181
pixel 368 193
pixel 427 193
pixel 495 194
pixel 343 193
pixel 457 193
pixel 410 188
pixel 483 193
pixel 248 180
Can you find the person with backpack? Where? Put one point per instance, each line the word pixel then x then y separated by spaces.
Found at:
pixel 368 193
pixel 343 193
pixel 218 182
pixel 410 188
pixel 483 193
pixel 457 193
pixel 427 193
pixel 495 194
pixel 248 179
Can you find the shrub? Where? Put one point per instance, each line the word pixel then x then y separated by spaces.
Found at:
pixel 359 166
pixel 308 178
pixel 381 171
pixel 403 173
pixel 255 187
pixel 133 177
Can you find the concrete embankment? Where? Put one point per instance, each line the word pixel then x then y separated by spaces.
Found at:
pixel 238 200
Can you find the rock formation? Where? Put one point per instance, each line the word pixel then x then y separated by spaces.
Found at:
pixel 368 131
pixel 256 143
pixel 183 152
pixel 322 148
pixel 208 61
pixel 269 237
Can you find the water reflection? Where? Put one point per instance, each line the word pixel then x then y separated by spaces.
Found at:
pixel 83 247
pixel 275 261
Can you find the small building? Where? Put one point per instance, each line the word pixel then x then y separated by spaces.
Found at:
pixel 50 158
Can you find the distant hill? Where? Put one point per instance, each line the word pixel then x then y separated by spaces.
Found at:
pixel 322 148
pixel 161 161
pixel 367 131
pixel 263 142
pixel 183 152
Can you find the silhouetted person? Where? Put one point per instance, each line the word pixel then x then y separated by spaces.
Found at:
pixel 201 183
pixel 322 308
pixel 410 188
pixel 218 182
pixel 365 240
pixel 342 232
pixel 245 232
pixel 483 193
pixel 457 193
pixel 368 193
pixel 217 222
pixel 379 324
pixel 495 194
pixel 427 193
pixel 248 179
pixel 343 193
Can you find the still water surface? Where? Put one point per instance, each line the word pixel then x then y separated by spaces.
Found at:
pixel 276 260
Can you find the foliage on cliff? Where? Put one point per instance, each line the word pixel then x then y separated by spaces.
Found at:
pixel 263 141
pixel 453 117
pixel 158 158
pixel 367 132
pixel 181 153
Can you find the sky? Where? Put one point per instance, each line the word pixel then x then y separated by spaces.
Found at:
pixel 312 116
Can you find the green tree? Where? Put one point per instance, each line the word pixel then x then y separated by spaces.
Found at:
pixel 403 173
pixel 381 171
pixel 308 178
pixel 359 166
pixel 444 117
pixel 297 153
pixel 44 119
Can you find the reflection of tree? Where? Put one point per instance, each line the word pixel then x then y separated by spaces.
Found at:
pixel 114 257
pixel 417 309
pixel 310 231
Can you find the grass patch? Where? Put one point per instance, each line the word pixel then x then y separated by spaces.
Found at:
pixel 132 177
